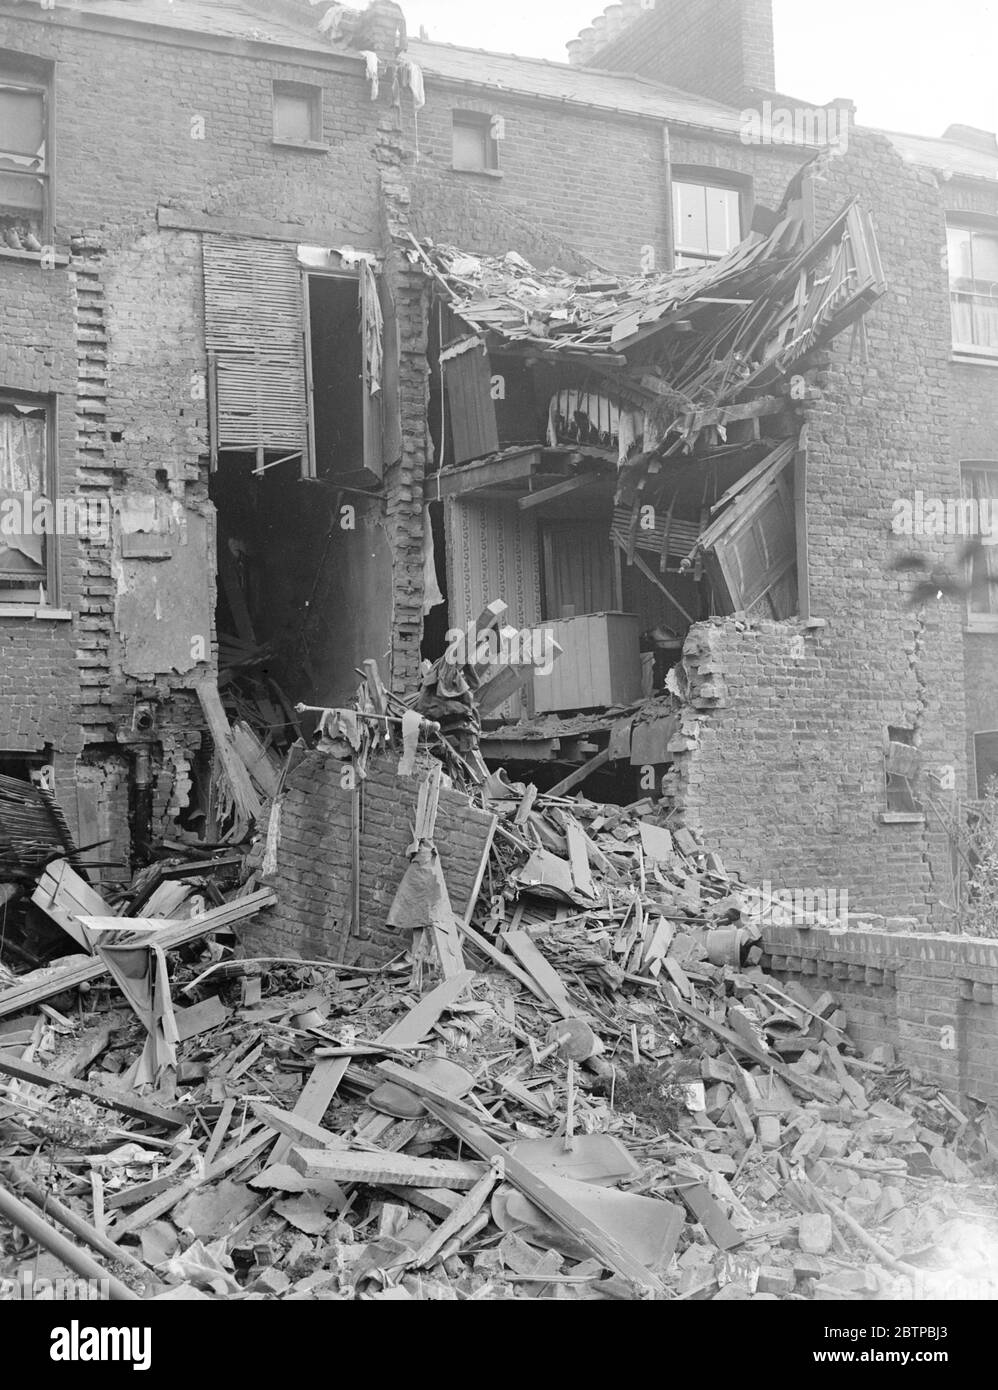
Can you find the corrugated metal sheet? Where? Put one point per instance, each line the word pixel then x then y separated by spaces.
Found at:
pixel 254 333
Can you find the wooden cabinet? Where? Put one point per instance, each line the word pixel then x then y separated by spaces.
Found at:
pixel 600 664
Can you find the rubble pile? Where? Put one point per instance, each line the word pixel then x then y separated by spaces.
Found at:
pixel 591 1090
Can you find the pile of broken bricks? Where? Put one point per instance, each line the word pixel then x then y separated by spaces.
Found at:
pixel 610 1100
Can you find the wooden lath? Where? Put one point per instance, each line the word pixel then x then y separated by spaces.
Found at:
pixel 255 337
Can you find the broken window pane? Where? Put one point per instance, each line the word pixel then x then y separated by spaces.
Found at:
pixel 23 468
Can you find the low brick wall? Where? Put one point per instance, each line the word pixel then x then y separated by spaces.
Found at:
pixel 314 862
pixel 933 998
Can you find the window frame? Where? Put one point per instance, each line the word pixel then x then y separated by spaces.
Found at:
pixel 313 92
pixel 52 603
pixel 708 177
pixel 975 735
pixel 986 226
pixel 24 72
pixel 481 121
pixel 977 622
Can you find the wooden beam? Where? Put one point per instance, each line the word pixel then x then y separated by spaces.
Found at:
pixel 578 483
pixel 379 1169
pixel 127 1105
pixel 535 1189
pixel 169 938
pixel 580 774
pixel 490 473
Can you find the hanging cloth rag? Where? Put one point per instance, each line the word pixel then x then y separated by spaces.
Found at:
pixel 432 597
pixel 371 59
pixel 411 725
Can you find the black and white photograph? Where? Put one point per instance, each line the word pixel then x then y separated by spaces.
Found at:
pixel 498 675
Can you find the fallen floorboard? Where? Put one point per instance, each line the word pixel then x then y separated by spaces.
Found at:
pixel 127 1105
pixel 168 938
pixel 381 1169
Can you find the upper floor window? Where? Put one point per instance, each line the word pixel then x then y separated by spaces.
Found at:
pixel 25 157
pixel 27 553
pixel 706 221
pixel 476 142
pixel 297 113
pixel 980 487
pixel 973 289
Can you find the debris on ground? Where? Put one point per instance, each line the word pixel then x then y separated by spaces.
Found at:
pixel 591 1090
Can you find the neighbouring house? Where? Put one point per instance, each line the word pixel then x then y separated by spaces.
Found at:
pixel 327 337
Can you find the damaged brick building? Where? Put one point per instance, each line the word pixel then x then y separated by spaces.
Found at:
pixel 253 284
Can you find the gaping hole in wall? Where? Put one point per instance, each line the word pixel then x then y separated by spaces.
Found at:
pixel 616 461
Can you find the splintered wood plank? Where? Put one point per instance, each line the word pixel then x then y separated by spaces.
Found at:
pixel 127 1105
pixel 296 1128
pixel 414 1027
pixel 425 1089
pixel 504 961
pixel 578 853
pixel 711 1216
pixel 459 1218
pixel 543 972
pixel 611 1254
pixel 381 1169
pixel 314 1100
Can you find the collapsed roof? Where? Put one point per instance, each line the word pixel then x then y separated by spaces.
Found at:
pixel 681 349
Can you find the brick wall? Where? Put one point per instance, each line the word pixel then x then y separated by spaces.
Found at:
pixel 781 760
pixel 314 862
pixel 934 999
pixel 973 392
pixel 592 180
pixel 716 48
pixel 144 118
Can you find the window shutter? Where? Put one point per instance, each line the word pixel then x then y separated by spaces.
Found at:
pixel 254 334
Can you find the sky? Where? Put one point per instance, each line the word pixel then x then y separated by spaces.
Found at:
pixel 911 65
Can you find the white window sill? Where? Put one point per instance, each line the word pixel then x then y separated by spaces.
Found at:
pixel 902 818
pixel 7 253
pixel 488 173
pixel 30 610
pixel 974 357
pixel 310 146
pixel 981 627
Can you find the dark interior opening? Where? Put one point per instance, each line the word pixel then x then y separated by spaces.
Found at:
pixel 337 375
pixel 274 534
pixel 436 623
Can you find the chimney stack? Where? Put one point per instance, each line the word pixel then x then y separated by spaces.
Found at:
pixel 721 49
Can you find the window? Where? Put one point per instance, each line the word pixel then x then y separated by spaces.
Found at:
pixel 980 487
pixel 27 554
pixel 476 148
pixel 706 221
pixel 902 767
pixel 985 761
pixel 25 159
pixel 297 114
pixel 973 289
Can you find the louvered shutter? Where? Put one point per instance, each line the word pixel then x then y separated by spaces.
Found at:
pixel 254 334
